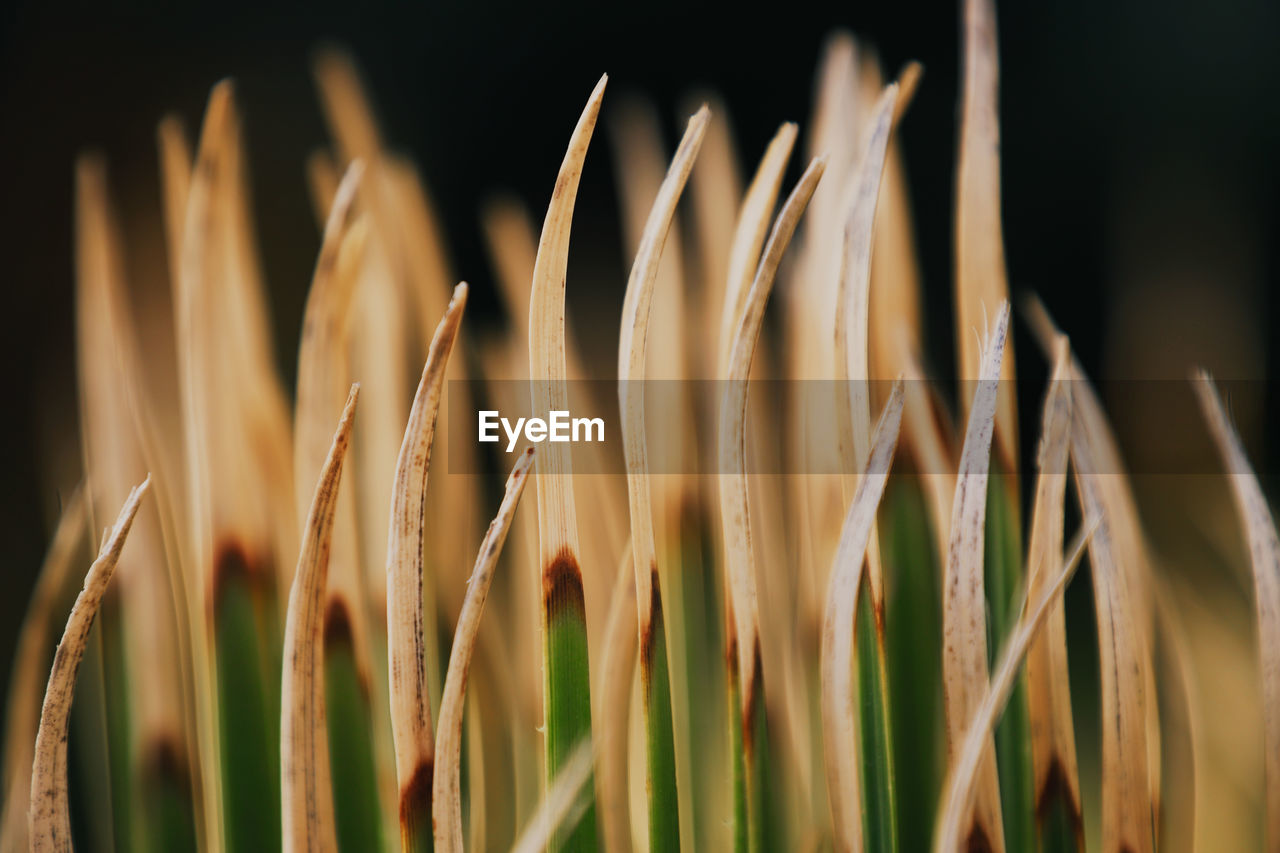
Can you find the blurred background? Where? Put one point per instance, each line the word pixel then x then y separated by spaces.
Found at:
pixel 1141 192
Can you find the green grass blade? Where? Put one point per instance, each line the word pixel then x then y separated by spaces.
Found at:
pixel 115 671
pixel 1059 827
pixel 165 810
pixel 915 663
pixel 1003 579
pixel 762 820
pixel 879 791
pixel 566 686
pixel 357 814
pixel 248 699
pixel 664 811
pixel 705 675
pixel 737 760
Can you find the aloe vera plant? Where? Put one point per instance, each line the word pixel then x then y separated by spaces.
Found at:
pixel 797 623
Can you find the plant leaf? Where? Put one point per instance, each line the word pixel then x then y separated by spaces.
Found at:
pixel 410 648
pixel 621 641
pixel 964 632
pixel 564 805
pixel 1264 555
pixel 305 782
pixel 839 718
pixel 1057 779
pixel 961 788
pixel 980 268
pixel 744 620
pixel 50 818
pixel 446 790
pixel 566 671
pixel 664 812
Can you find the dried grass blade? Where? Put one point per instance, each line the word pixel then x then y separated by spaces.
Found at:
pixel 715 189
pixel 148 701
pixel 621 641
pixel 749 235
pixel 961 790
pixel 446 787
pixel 747 719
pixel 979 242
pixel 50 819
pixel 324 371
pixel 1056 777
pixel 1126 790
pixel 1118 561
pixel 323 366
pixel 175 188
pixel 664 812
pixel 566 668
pixel 632 350
pixel 839 718
pixel 964 621
pixel 1264 555
pixel 305 780
pixel 22 704
pixel 851 320
pixel 411 644
pixel 323 179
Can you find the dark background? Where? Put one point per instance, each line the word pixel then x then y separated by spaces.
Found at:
pixel 1139 141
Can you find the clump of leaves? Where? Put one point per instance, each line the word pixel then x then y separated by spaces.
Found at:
pixel 278 653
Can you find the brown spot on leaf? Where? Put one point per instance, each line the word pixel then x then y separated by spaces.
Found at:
pixel 977 842
pixel 337 624
pixel 562 586
pixel 232 562
pixel 415 797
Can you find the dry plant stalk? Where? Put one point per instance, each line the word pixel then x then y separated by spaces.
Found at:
pixel 852 317
pixel 981 281
pixel 732 437
pixel 410 703
pixel 305 781
pixel 839 718
pixel 961 789
pixel 1048 684
pixel 652 622
pixel 748 237
pixel 619 666
pixel 1119 569
pixel 50 817
pixel 566 699
pixel 1264 555
pixel 446 791
pixel 742 609
pixel 964 621
pixel 632 348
